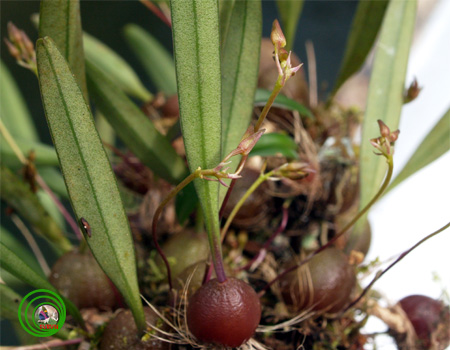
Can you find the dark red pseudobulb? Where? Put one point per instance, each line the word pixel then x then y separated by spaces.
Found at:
pixel 430 319
pixel 225 313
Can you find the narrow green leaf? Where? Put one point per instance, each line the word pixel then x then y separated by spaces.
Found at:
pixel 107 60
pixel 61 21
pixel 13 110
pixel 385 98
pixel 435 144
pixel 281 101
pixel 9 303
pixel 49 204
pixel 11 241
pixel 197 61
pixel 24 253
pixel 240 63
pixel 225 11
pixel 9 307
pixel 273 144
pixel 105 131
pixel 290 11
pixel 155 59
pixel 366 24
pixel 88 175
pixel 17 267
pixel 134 128
pixel 45 154
pixel 19 196
pixel 18 121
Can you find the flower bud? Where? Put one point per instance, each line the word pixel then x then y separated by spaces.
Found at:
pixel 384 129
pixel 277 36
pixel 13 51
pixel 412 92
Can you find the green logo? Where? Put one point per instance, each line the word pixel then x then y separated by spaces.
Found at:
pixel 42 313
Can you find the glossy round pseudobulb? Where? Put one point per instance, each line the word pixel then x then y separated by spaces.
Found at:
pixel 430 319
pixel 225 314
pixel 79 278
pixel 121 333
pixel 324 284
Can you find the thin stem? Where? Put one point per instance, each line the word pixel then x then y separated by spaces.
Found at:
pixel 10 140
pixel 350 224
pixel 18 152
pixel 32 243
pixel 157 214
pixel 62 209
pixel 276 90
pixel 262 253
pixel 402 255
pixel 380 192
pixel 252 188
pixel 230 189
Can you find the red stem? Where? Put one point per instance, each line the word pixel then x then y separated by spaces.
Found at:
pixel 161 253
pixel 265 247
pixel 402 255
pixel 60 206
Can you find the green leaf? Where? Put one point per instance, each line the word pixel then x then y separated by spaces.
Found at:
pixel 17 267
pixel 107 60
pixel 24 253
pixel 19 196
pixel 240 63
pixel 18 121
pixel 281 101
pixel 9 306
pixel 290 11
pixel 435 144
pixel 45 154
pixel 11 241
pixel 134 127
pixel 225 11
pixel 13 110
pixel 61 21
pixel 88 175
pixel 197 61
pixel 366 24
pixel 155 59
pixel 273 144
pixel 386 87
pixel 9 303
